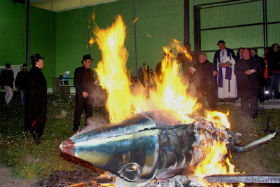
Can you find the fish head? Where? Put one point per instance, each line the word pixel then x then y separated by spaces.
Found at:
pixel 128 149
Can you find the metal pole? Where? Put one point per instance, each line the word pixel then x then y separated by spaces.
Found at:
pixel 186 21
pixel 264 6
pixel 53 43
pixel 135 36
pixel 197 34
pixel 27 3
pixel 88 29
pixel 266 35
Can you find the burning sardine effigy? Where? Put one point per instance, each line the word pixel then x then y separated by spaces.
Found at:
pixel 150 145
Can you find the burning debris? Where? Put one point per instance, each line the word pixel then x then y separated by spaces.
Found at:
pixel 144 147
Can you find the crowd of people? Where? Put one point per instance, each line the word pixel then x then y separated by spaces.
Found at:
pixel 229 77
pixel 246 76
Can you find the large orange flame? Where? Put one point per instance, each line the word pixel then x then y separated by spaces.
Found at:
pixel 168 94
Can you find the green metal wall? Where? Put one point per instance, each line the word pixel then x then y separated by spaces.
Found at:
pixel 159 21
pixel 12 35
pixel 72 33
pixel 238 14
pixel 273 15
pixel 62 37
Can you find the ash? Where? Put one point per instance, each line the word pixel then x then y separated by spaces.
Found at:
pixel 65 178
pixel 177 181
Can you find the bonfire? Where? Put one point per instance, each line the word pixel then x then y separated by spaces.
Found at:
pixel 155 134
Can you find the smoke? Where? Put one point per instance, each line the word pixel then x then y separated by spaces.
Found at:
pixel 98 96
pixel 94 123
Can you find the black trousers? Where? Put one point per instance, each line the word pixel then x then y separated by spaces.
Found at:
pixel 82 104
pixel 35 118
pixel 249 102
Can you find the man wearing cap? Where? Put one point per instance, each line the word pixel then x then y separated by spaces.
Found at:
pixel 224 60
pixel 84 82
pixel 36 99
pixel 21 83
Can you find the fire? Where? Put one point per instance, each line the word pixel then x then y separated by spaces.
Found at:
pixel 112 72
pixel 219 118
pixel 215 161
pixel 168 94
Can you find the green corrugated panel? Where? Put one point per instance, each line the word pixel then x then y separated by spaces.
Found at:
pixel 235 37
pixel 12 35
pixel 273 34
pixel 273 7
pixel 159 22
pixel 237 14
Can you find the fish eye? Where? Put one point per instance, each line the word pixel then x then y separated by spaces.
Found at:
pixel 131 171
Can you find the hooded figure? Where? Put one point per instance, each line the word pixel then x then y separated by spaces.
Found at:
pixel 36 99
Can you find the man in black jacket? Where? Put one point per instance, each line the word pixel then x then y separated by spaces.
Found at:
pixel 7 81
pixel 84 82
pixel 21 83
pixel 36 99
pixel 205 80
pixel 248 71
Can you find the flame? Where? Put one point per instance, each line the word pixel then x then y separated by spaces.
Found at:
pixel 91 41
pixel 168 93
pixel 218 118
pixel 215 161
pixel 111 71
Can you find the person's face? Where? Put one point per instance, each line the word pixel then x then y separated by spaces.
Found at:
pixel 246 54
pixel 275 48
pixel 40 63
pixel 222 46
pixel 265 51
pixel 24 69
pixel 87 63
pixel 202 58
pixel 241 53
pixel 253 52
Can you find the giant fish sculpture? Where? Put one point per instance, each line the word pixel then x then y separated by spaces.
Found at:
pixel 150 145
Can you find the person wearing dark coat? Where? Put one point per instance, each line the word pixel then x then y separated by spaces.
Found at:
pixel 273 58
pixel 7 81
pixel 36 99
pixel 260 61
pixel 84 83
pixel 21 82
pixel 205 80
pixel 248 72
